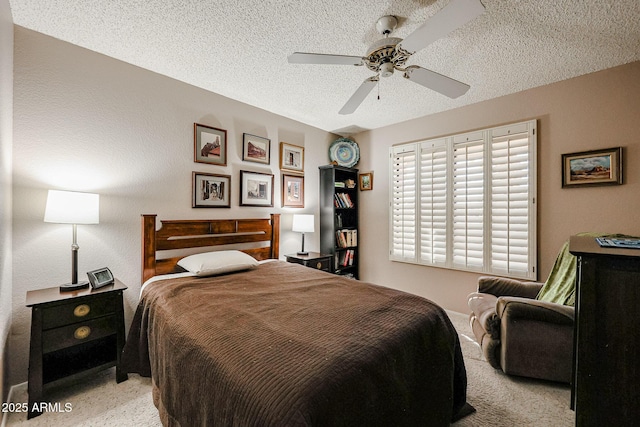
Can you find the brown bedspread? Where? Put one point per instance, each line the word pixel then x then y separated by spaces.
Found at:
pixel 286 345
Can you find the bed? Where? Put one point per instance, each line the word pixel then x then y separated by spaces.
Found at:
pixel 280 344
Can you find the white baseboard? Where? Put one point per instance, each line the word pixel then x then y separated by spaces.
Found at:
pixel 5 415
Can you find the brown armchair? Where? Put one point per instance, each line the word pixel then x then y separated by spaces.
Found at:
pixel 519 334
pixel 526 328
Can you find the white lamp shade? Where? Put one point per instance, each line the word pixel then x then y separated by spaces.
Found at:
pixel 302 223
pixel 70 207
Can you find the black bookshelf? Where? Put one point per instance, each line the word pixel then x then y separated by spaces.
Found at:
pixel 339 218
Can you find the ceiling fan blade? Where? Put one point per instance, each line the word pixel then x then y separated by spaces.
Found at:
pixel 452 16
pixel 434 81
pixel 321 58
pixel 356 99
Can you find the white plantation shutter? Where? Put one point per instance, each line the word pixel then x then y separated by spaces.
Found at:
pixel 403 203
pixel 467 201
pixel 433 202
pixel 511 194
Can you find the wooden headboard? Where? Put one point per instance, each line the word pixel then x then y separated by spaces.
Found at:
pixel 194 233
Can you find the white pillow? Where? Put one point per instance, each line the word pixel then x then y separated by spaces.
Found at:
pixel 219 262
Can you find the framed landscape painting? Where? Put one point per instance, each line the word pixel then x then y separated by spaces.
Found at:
pixel 256 149
pixel 256 189
pixel 210 145
pixel 596 167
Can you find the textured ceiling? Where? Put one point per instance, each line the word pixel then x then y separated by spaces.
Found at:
pixel 239 48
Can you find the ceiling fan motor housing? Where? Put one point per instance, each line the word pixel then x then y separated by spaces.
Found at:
pixel 384 55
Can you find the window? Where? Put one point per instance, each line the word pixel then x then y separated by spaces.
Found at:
pixel 467 201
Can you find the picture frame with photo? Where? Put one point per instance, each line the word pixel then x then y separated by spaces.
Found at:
pixel 256 149
pixel 291 158
pixel 292 191
pixel 256 189
pixel 211 190
pixel 366 181
pixel 209 145
pixel 591 168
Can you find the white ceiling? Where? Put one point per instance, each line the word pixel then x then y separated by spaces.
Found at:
pixel 239 48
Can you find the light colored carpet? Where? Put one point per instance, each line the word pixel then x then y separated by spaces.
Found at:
pixel 500 400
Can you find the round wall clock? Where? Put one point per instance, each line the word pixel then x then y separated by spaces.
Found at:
pixel 345 152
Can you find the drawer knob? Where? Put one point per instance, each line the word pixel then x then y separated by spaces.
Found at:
pixel 82 332
pixel 81 310
pixel 319 265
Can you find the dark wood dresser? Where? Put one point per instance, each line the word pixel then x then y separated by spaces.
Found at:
pixel 72 332
pixel 606 387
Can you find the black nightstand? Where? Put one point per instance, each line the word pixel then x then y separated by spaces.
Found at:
pixel 312 260
pixel 72 332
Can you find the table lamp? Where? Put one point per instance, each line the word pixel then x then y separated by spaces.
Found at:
pixel 303 223
pixel 70 207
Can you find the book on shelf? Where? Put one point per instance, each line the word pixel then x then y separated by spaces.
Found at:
pixel 339 184
pixel 346 238
pixel 342 200
pixel 344 258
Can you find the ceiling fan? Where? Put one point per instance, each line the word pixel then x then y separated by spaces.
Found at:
pixel 391 53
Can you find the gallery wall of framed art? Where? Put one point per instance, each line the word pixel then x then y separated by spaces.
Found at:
pixel 256 187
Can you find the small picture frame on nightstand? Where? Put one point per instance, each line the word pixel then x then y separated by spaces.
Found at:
pixel 100 277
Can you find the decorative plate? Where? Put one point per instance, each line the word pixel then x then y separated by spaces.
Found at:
pixel 345 152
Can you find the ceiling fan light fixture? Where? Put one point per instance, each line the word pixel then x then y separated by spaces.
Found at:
pixel 386 69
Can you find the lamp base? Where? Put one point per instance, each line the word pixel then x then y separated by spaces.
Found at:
pixel 303 253
pixel 68 287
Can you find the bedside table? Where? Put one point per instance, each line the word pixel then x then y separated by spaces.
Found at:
pixel 72 332
pixel 312 260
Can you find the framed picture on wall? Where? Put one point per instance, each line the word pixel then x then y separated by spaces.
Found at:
pixel 256 189
pixel 211 190
pixel 366 181
pixel 596 167
pixel 292 191
pixel 210 145
pixel 256 148
pixel 291 158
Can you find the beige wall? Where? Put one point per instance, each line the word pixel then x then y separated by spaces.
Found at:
pixel 6 135
pixel 594 111
pixel 87 122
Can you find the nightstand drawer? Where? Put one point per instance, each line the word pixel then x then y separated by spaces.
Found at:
pixel 79 310
pixel 320 264
pixel 71 335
